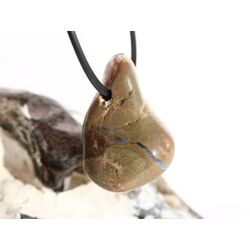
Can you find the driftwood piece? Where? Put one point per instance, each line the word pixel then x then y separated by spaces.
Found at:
pixel 51 139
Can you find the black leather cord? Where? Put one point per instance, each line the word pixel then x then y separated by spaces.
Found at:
pixel 104 92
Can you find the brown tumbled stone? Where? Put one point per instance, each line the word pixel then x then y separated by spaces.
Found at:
pixel 125 145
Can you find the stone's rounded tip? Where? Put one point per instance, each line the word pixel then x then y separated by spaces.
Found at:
pixel 120 65
pixel 125 145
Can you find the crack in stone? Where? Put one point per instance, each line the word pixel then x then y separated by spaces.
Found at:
pixel 123 100
pixel 113 106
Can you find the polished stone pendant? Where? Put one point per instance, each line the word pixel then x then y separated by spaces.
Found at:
pixel 125 145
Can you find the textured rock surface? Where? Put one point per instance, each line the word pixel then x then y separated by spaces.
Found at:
pixel 125 144
pixel 46 131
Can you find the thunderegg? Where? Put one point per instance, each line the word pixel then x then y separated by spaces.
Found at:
pixel 125 144
pixel 34 140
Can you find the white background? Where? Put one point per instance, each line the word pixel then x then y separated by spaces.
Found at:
pixel 193 67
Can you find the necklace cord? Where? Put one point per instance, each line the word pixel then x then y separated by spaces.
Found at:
pixel 104 92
